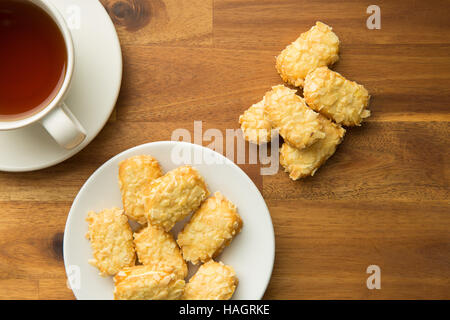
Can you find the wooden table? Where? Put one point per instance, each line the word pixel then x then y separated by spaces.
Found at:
pixel 382 199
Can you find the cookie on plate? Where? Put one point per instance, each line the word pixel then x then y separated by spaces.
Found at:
pixel 212 281
pixel 135 174
pixel 157 248
pixel 144 283
pixel 174 196
pixel 210 230
pixel 111 241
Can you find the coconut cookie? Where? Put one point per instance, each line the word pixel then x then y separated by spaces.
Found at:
pixel 305 162
pixel 111 241
pixel 144 283
pixel 212 281
pixel 210 230
pixel 157 248
pixel 255 125
pixel 174 196
pixel 315 48
pixel 135 174
pixel 297 123
pixel 335 97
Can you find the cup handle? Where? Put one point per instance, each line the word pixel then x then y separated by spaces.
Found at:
pixel 62 125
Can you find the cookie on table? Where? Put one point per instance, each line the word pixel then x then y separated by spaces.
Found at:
pixel 255 125
pixel 157 248
pixel 305 162
pixel 297 123
pixel 210 230
pixel 335 97
pixel 111 241
pixel 174 196
pixel 315 48
pixel 135 174
pixel 212 281
pixel 144 283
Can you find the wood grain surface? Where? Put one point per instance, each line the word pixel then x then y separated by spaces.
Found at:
pixel 382 199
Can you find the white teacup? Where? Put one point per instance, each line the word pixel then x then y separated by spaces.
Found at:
pixel 56 117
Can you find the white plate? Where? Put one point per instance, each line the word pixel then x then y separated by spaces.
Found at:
pixel 251 253
pixel 92 96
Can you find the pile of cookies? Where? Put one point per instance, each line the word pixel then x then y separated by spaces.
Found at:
pixel 310 126
pixel 157 201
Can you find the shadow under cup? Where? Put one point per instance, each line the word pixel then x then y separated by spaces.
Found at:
pixel 33 59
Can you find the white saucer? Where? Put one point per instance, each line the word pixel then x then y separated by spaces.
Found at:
pixel 92 97
pixel 251 253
